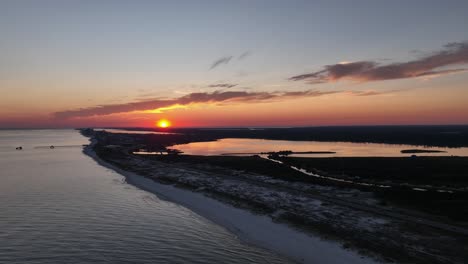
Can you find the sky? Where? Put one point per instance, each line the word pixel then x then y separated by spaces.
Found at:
pixel 232 63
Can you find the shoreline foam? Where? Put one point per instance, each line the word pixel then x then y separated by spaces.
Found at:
pixel 254 229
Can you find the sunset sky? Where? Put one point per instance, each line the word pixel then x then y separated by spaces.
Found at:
pixel 233 63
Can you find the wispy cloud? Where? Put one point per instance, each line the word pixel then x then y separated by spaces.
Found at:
pixel 365 71
pixel 372 92
pixel 189 99
pixel 221 61
pixel 227 59
pixel 222 85
pixel 244 55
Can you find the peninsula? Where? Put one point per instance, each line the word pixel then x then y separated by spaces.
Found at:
pixel 364 214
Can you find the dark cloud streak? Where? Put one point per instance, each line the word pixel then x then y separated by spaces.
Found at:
pixel 227 59
pixel 193 98
pixel 221 61
pixel 372 92
pixel 365 71
pixel 222 85
pixel 244 55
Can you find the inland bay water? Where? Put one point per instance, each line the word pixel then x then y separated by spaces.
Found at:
pixel 59 206
pixel 246 146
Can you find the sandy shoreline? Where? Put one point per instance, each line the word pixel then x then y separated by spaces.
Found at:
pixel 254 229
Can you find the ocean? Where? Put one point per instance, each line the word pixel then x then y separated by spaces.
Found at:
pixel 58 205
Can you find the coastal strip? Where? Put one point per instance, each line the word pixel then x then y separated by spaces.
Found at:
pixel 254 229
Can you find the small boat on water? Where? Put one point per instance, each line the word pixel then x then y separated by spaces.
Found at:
pixel 19 148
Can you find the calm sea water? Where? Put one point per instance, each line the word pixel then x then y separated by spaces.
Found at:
pixel 342 149
pixel 58 206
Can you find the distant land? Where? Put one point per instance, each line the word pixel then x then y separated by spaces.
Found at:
pixel 414 151
pixel 430 135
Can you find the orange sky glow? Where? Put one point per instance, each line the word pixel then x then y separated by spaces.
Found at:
pixel 68 67
pixel 433 107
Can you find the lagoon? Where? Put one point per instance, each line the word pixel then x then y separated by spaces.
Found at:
pixel 246 146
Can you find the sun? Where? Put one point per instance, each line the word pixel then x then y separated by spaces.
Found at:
pixel 163 123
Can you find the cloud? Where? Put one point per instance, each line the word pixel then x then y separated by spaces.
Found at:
pixel 244 55
pixel 307 93
pixel 365 93
pixel 372 92
pixel 227 59
pixel 221 61
pixel 192 98
pixel 222 85
pixel 365 71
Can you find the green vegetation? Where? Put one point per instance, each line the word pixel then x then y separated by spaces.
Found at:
pixel 436 171
pixel 253 164
pixel 444 179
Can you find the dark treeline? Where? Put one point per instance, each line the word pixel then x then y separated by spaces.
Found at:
pixel 441 136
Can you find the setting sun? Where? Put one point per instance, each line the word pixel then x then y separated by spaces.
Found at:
pixel 163 123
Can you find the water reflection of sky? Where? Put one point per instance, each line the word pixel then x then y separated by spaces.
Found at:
pixel 342 149
pixel 60 206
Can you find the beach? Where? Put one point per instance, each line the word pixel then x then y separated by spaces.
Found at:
pixel 357 214
pixel 60 206
pixel 253 229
